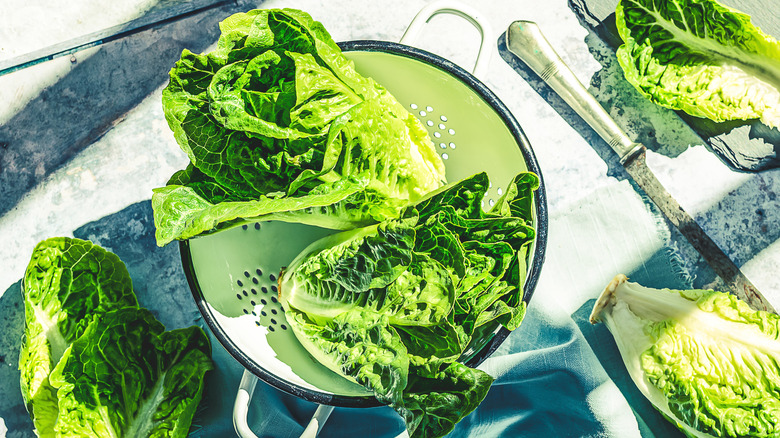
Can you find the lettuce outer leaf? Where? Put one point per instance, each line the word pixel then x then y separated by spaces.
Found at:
pixel 276 120
pixel 704 359
pixel 700 57
pixel 66 283
pixel 360 346
pixel 433 405
pixel 128 377
pixel 425 281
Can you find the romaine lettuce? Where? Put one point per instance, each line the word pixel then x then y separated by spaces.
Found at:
pixel 66 283
pixel 700 57
pixel 93 363
pixel 278 125
pixel 704 359
pixel 393 306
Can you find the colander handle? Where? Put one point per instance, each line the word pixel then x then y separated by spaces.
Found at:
pixel 241 410
pixel 471 15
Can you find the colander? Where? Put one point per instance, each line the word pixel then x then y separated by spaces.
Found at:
pixel 233 274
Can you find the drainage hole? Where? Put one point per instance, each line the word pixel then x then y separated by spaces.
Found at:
pixel 257 225
pixel 262 312
pixel 254 280
pixel 259 272
pixel 270 327
pixel 273 321
pixel 274 311
pixel 274 288
pixel 264 289
pixel 240 284
pixel 272 277
pixel 273 298
pixel 284 327
pixel 246 294
pixel 246 312
pixel 254 291
pixel 238 296
pixel 263 301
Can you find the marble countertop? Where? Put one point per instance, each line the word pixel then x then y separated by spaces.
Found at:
pixel 83 142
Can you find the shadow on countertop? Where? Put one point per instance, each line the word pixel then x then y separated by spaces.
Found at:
pixel 94 96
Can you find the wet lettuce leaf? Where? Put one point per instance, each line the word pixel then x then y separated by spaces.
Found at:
pixel 423 284
pixel 278 125
pixel 701 57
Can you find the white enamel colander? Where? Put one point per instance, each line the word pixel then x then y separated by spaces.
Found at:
pixel 233 273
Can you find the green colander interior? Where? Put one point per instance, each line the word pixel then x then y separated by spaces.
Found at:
pixel 236 270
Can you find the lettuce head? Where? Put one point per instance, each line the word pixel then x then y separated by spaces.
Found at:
pixel 706 360
pixel 278 125
pixel 700 57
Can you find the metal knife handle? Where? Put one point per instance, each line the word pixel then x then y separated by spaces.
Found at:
pixel 526 41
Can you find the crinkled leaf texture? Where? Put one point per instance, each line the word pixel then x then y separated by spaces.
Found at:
pixel 66 283
pixel 94 364
pixel 393 306
pixel 278 125
pixel 705 359
pixel 128 377
pixel 700 57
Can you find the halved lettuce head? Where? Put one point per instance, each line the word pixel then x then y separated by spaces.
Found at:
pixel 704 359
pixel 93 363
pixel 394 306
pixel 66 283
pixel 278 125
pixel 701 57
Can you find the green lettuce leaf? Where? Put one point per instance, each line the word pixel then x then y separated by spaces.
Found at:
pixel 277 124
pixel 701 57
pixel 358 345
pixel 128 377
pixel 433 405
pixel 704 359
pixel 66 283
pixel 427 281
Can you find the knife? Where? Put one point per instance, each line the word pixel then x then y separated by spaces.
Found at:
pixel 525 40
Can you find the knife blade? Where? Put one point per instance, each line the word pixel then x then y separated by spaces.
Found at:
pixel 525 40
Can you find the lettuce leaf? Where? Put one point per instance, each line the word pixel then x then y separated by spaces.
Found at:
pixel 95 364
pixel 423 284
pixel 66 283
pixel 278 125
pixel 128 377
pixel 701 57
